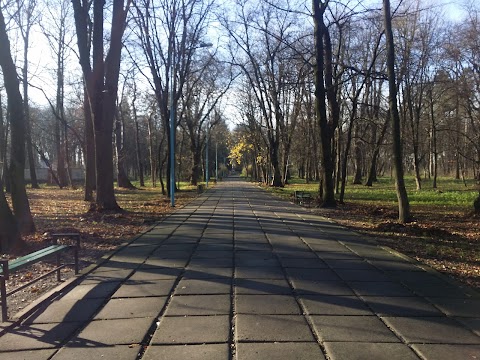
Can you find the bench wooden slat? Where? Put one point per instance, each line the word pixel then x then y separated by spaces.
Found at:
pixel 34 257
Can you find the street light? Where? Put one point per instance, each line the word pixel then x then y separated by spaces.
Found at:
pixel 172 122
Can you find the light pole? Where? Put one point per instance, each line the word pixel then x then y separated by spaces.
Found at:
pixel 172 132
pixel 206 156
pixel 173 125
pixel 216 161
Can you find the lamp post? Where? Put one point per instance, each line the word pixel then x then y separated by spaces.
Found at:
pixel 172 123
pixel 216 160
pixel 206 156
pixel 172 135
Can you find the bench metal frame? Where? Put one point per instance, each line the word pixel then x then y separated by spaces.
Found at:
pixel 302 197
pixel 8 267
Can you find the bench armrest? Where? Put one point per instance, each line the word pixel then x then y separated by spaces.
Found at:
pixel 5 271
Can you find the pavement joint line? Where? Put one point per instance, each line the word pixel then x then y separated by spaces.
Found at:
pixel 146 341
pixel 303 311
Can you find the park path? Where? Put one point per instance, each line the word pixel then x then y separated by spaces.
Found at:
pixel 239 274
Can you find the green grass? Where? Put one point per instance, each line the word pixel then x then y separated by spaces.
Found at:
pixel 450 193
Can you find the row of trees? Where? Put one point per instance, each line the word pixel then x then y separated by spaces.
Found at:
pixel 139 61
pixel 382 91
pixel 326 92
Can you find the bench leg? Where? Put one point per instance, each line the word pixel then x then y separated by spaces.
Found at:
pixel 58 270
pixel 75 254
pixel 3 298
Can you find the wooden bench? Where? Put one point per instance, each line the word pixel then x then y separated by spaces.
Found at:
pixel 10 266
pixel 302 198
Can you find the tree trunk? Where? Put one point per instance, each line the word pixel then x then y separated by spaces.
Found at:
pixel 101 78
pixel 26 109
pixel 403 203
pixel 21 206
pixel 325 126
pixel 9 234
pixel 90 174
pixel 277 176
pixel 137 138
pixel 196 164
pixel 122 178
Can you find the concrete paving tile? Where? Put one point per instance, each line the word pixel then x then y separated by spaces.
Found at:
pixel 438 289
pixel 287 254
pixel 338 255
pixel 398 265
pixel 401 306
pixel 199 305
pixel 471 323
pixel 122 308
pixel 37 336
pixel 259 273
pixel 364 351
pixel 148 273
pixel 191 352
pixel 349 264
pixel 327 246
pixel 188 247
pixel 262 287
pixel 172 263
pixel 447 352
pixel 62 310
pixel 118 352
pixel 334 305
pixel 110 275
pixel 133 289
pixel 111 265
pixel 204 286
pixel 352 328
pixel 457 307
pixel 206 272
pixel 129 257
pixel 212 254
pixel 379 288
pixel 256 261
pixel 214 247
pixel 416 277
pixel 28 355
pixel 431 330
pixel 271 328
pixel 303 263
pixel 219 262
pixel 112 332
pixel 312 274
pixel 192 330
pixel 321 287
pixel 279 351
pixel 252 246
pixel 266 304
pixel 361 275
pixel 91 291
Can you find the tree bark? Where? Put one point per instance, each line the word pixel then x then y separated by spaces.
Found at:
pixel 403 203
pixel 21 206
pixel 326 126
pixel 101 77
pixel 9 234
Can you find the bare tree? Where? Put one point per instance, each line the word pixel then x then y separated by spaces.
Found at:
pixel 403 203
pixel 21 206
pixel 101 75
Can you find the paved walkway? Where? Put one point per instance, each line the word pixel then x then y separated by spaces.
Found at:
pixel 238 274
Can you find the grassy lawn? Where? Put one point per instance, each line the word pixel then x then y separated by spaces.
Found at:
pixel 444 233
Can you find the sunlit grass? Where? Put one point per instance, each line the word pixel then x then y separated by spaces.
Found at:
pixel 450 193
